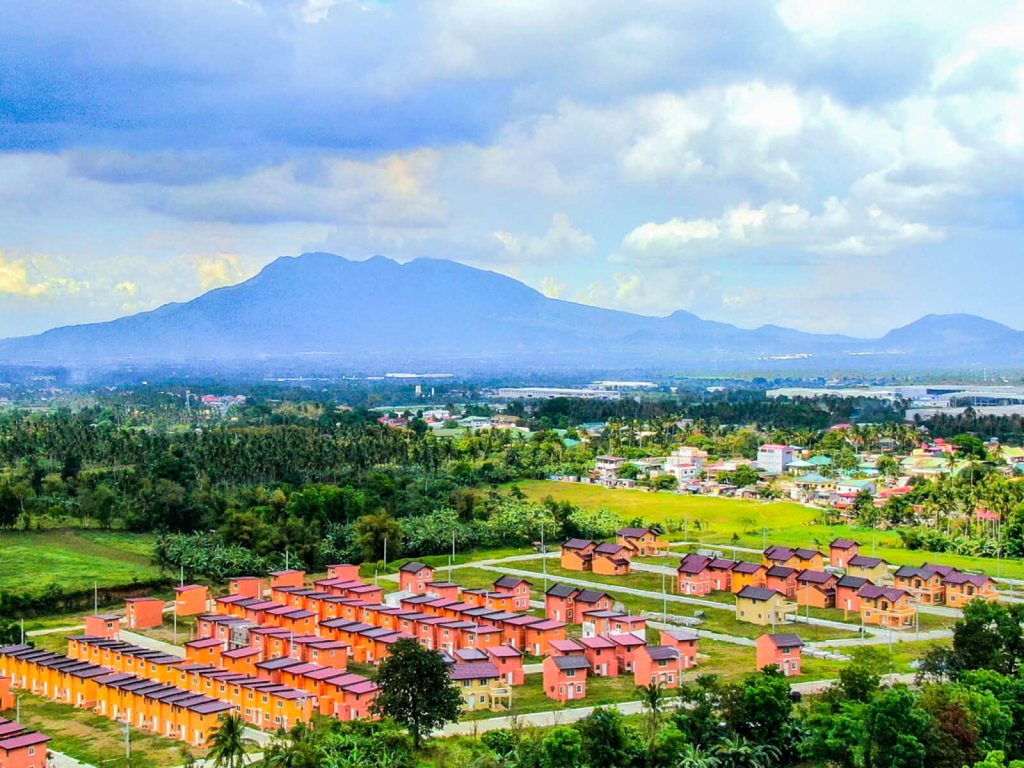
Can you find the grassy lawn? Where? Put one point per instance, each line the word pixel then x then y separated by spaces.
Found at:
pixel 787 523
pixel 31 560
pixel 530 697
pixel 95 739
pixel 440 562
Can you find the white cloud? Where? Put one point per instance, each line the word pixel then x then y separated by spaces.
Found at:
pixel 561 242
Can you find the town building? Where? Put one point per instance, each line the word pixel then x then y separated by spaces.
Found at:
pixel 874 569
pixel 190 600
pixel 886 607
pixel 961 588
pixel 782 651
pixel 765 607
pixel 847 589
pixel 578 554
pixel 642 542
pixel 694 575
pixel 565 677
pixel 816 589
pixel 773 458
pixel 658 664
pixel 414 577
pixel 685 642
pixel 840 551
pixel 747 574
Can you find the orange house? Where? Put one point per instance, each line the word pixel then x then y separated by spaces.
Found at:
pixel 190 600
pixel 343 571
pixel 558 602
pixel 242 660
pixel 565 677
pixel 886 607
pixel 816 588
pixel 781 579
pixel 840 551
pixel 206 650
pixel 924 584
pixel 746 574
pixel 103 625
pixel 6 697
pixel 247 586
pixel 144 612
pixel 633 625
pixel 578 554
pixel 720 570
pixel 20 748
pixel 658 664
pixel 847 597
pixel 695 575
pixel 518 588
pixel 625 650
pixel 541 634
pixel 352 696
pixel 600 652
pixel 509 662
pixel 799 558
pixel 499 601
pixel 414 577
pixel 641 541
pixel 449 590
pixel 683 641
pixel 961 588
pixel 610 566
pixel 782 650
pixel 287 579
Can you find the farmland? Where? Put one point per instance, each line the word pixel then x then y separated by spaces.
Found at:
pixel 73 559
pixel 741 523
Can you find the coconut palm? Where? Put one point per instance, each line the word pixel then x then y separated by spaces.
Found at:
pixel 228 742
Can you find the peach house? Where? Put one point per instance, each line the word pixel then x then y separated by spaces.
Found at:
pixel 840 551
pixel 781 650
pixel 625 650
pixel 610 560
pixel 720 570
pixel 886 607
pixel 539 636
pixel 924 584
pixel 847 597
pixel 518 588
pixel 790 557
pixel 961 588
pixel 144 612
pixel 600 652
pixel 190 600
pixel 565 677
pixel 695 575
pixel 289 578
pixel 641 541
pixel 414 577
pixel 661 664
pixel 578 554
pixel 816 588
pixel 103 625
pixel 782 579
pixel 343 571
pixel 247 586
pixel 685 642
pixel 509 662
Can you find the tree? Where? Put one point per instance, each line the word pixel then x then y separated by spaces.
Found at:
pixel 654 697
pixel 607 741
pixel 987 637
pixel 416 690
pixel 373 530
pixel 562 747
pixel 761 710
pixel 969 447
pixel 228 742
pixel 897 730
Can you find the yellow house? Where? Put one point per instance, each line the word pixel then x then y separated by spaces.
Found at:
pixel 886 607
pixel 961 588
pixel 481 686
pixel 874 569
pixel 764 607
pixel 800 558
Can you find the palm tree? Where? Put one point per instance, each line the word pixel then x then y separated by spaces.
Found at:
pixel 654 698
pixel 228 742
pixel 697 757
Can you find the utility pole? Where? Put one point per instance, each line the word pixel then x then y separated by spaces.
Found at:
pixel 127 730
pixel 544 557
pixel 451 560
pixel 95 597
pixel 385 551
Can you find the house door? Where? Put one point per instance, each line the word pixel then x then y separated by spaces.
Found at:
pixel 472 701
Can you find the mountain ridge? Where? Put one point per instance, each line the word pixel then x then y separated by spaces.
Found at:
pixel 322 304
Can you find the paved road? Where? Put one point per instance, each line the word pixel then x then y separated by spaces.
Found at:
pixel 55 631
pixel 148 642
pixel 60 760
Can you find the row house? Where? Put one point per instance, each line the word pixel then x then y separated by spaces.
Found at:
pixel 518 588
pixel 242 661
pixel 961 588
pixel 565 677
pixel 782 651
pixel 204 651
pixel 816 589
pixel 446 589
pixel 481 686
pixel 848 593
pixel 886 607
pixel 509 662
pixel 720 570
pixel 343 571
pixel 695 575
pixel 264 700
pixel 758 605
pixel 782 579
pixel 247 586
pixel 350 696
pixel 578 554
pixel 658 664
pixel 642 542
pixel 144 612
pixel 414 577
pixel 840 551
pixel 625 650
pixel 799 558
pixel 565 603
pixel 541 634
pixel 600 653
pixel 746 574
pixel 289 578
pixel 191 599
pixel 874 569
pixel 22 748
pixel 925 584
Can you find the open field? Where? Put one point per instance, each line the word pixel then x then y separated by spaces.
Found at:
pixel 729 522
pixel 32 560
pixel 96 739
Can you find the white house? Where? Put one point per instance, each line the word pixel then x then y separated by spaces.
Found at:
pixel 855 486
pixel 609 466
pixel 774 458
pixel 474 422
pixel 686 463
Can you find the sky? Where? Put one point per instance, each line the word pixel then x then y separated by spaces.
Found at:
pixel 824 165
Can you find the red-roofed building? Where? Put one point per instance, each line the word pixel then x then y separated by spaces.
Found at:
pixel 509 662
pixel 840 551
pixel 578 554
pixel 625 650
pixel 414 577
pixel 695 575
pixel 685 642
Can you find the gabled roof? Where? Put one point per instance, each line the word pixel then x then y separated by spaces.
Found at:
pixel 608 549
pixel 977 579
pixel 815 577
pixel 413 567
pixel 843 544
pixel 477 670
pixel 722 564
pixel 871 592
pixel 786 640
pixel 663 652
pixel 780 572
pixel 511 582
pixel 692 564
pixel 852 582
pixel 863 561
pixel 681 635
pixel 597 642
pixel 570 662
pixel 562 590
pixel 758 593
pixel 910 572
pixel 577 544
pixel 744 566
pixel 806 554
pixel 633 533
pixel 590 596
pixel 776 552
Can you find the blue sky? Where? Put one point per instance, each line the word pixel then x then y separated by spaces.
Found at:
pixel 819 164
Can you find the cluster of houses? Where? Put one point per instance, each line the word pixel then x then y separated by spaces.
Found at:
pixel 611 559
pixel 770 592
pixel 20 747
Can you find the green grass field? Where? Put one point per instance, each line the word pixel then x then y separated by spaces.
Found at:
pixel 32 560
pixel 734 522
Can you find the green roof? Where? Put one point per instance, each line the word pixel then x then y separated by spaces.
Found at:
pixel 820 461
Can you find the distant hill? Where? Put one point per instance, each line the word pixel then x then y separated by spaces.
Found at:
pixel 323 306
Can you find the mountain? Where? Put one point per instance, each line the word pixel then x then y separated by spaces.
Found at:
pixel 430 311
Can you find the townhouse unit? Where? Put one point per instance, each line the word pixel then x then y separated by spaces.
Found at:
pixel 816 589
pixel 482 686
pixel 509 662
pixel 103 625
pixel 565 677
pixel 519 588
pixel 782 651
pixel 344 571
pixel 874 569
pixel 720 570
pixel 289 578
pixel 565 603
pixel 694 575
pixel 539 635
pixel 247 586
pixel 660 664
pixel 22 748
pixel 191 599
pixel 799 557
pixel 578 554
pixel 747 574
pixel 610 560
pixel 684 641
pixel 414 577
pixel 600 653
pixel 961 588
pixel 926 585
pixel 847 593
pixel 642 542
pixel 144 612
pixel 782 579
pixel 764 607
pixel 625 650
pixel 886 607
pixel 840 551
